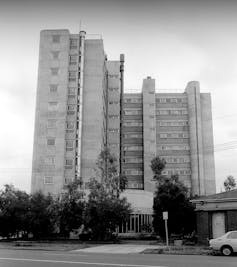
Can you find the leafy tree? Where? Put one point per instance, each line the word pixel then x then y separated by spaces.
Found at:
pixel 157 166
pixel 172 196
pixel 14 209
pixel 68 209
pixel 229 183
pixel 107 172
pixel 41 216
pixel 104 211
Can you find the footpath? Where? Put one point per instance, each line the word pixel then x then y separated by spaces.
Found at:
pixel 123 247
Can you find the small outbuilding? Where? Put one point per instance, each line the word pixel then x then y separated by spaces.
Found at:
pixel 216 215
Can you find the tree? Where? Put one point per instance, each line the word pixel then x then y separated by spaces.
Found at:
pixel 41 216
pixel 14 209
pixel 107 172
pixel 229 183
pixel 172 196
pixel 104 211
pixel 69 208
pixel 157 166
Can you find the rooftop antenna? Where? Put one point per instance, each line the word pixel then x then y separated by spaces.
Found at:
pixel 80 26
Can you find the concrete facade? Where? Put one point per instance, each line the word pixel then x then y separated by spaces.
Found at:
pixel 173 126
pixel 70 120
pixel 81 108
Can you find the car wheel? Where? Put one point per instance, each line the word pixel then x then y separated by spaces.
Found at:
pixel 226 250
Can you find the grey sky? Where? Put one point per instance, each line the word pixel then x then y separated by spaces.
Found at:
pixel 173 41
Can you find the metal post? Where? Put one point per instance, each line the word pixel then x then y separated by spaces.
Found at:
pixel 166 233
pixel 121 111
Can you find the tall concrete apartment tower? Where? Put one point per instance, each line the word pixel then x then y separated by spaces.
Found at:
pixel 173 126
pixel 82 108
pixel 71 109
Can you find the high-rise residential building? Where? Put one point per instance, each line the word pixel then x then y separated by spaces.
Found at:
pixel 82 108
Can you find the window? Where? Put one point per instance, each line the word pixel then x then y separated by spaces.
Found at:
pixel 73 59
pixel 72 76
pixel 71 107
pixel 162 112
pixel 69 163
pixel 113 88
pixel 113 130
pixel 69 145
pixel 67 180
pixel 133 123
pixel 174 135
pixel 232 235
pixel 133 135
pixel 70 125
pixel 162 100
pixel 172 123
pixel 113 145
pixel 51 142
pixel 133 148
pixel 51 124
pixel 50 160
pixel 163 135
pixel 72 100
pixel 73 43
pixel 173 147
pixel 133 172
pixel 55 54
pixel 173 100
pixel 113 75
pixel 52 106
pixel 53 88
pixel 56 38
pixel 48 180
pixel 175 112
pixel 132 112
pixel 133 160
pixel 114 116
pixel 54 71
pixel 71 90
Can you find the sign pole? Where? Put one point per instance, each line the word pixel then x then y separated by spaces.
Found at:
pixel 166 233
pixel 165 218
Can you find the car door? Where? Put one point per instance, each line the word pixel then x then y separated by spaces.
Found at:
pixel 232 240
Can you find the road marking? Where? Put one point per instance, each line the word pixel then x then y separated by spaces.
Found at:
pixel 71 254
pixel 83 262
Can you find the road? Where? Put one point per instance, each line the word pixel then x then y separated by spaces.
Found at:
pixel 29 258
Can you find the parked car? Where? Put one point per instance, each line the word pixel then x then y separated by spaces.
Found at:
pixel 226 244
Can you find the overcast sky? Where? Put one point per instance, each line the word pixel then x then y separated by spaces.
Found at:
pixel 172 41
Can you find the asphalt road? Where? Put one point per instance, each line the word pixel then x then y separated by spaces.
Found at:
pixel 28 258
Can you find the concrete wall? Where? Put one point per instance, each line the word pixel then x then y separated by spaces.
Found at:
pixel 208 144
pixel 201 141
pixel 93 107
pixel 196 138
pixel 40 168
pixel 149 130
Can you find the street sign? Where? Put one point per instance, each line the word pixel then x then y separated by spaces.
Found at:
pixel 165 215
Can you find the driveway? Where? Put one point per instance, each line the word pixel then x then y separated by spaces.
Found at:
pixel 117 249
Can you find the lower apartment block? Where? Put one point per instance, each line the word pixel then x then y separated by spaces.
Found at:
pixel 82 108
